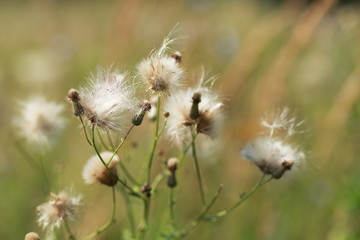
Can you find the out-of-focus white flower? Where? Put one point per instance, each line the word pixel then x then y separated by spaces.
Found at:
pixel 281 121
pixel 208 121
pixel 162 73
pixel 272 155
pixel 59 208
pixel 109 100
pixel 40 120
pixel 95 171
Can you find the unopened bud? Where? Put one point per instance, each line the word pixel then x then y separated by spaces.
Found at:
pixel 166 114
pixel 171 180
pixel 194 112
pixel 73 96
pixel 146 189
pixel 177 56
pixel 138 118
pixel 171 164
pixel 286 165
pixel 32 236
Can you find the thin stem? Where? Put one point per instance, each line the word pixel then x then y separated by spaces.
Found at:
pixel 129 211
pixel 128 174
pixel 102 141
pixel 197 221
pixel 171 208
pixel 85 132
pixel 144 225
pixel 119 146
pixel 111 221
pixel 110 141
pixel 132 192
pixel 68 230
pixel 156 137
pixel 197 168
pixel 225 212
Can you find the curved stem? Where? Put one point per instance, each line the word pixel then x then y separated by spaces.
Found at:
pixel 197 221
pixel 156 137
pixel 109 223
pixel 197 168
pixel 85 132
pixel 102 141
pixel 68 230
pixel 128 174
pixel 132 192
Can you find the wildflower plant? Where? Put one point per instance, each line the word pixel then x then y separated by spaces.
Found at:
pixel 107 107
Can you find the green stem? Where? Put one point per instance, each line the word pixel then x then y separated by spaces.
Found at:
pixel 103 142
pixel 132 192
pixel 109 223
pixel 171 208
pixel 85 132
pixel 68 230
pixel 110 141
pixel 145 220
pixel 225 212
pixel 129 211
pixel 119 146
pixel 197 168
pixel 197 221
pixel 156 137
pixel 128 174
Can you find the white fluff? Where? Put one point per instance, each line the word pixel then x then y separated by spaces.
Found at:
pixel 109 100
pixel 60 207
pixel 179 105
pixel 40 120
pixel 269 154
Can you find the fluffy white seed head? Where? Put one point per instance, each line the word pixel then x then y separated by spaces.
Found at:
pixel 95 171
pixel 109 100
pixel 161 72
pixel 60 207
pixel 179 106
pixel 40 121
pixel 272 156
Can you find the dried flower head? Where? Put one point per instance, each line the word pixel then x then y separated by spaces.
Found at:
pixel 40 120
pixel 32 236
pixel 162 72
pixel 272 155
pixel 209 115
pixel 95 171
pixel 281 122
pixel 109 100
pixel 60 207
pixel 172 164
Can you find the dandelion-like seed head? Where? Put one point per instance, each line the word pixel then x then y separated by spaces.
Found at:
pixel 208 118
pixel 109 100
pixel 59 208
pixel 40 121
pixel 161 72
pixel 272 155
pixel 95 171
pixel 32 236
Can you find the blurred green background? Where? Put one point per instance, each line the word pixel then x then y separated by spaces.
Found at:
pixel 300 54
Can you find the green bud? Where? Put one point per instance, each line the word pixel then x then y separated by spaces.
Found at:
pixel 171 180
pixel 194 112
pixel 138 118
